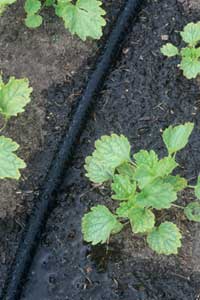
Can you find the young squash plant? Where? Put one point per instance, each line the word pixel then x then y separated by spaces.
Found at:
pixel 190 55
pixel 140 185
pixel 14 95
pixel 82 17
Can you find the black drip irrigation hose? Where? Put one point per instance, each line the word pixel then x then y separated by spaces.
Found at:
pixel 45 202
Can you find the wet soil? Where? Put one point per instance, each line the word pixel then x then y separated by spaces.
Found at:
pixel 144 94
pixel 57 65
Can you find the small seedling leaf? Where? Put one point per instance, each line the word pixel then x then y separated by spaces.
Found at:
pixel 176 138
pixel 142 220
pixel 10 163
pixel 85 18
pixel 123 187
pixel 111 152
pixel 169 50
pixel 165 239
pixel 99 224
pixel 156 195
pixel 192 211
pixel 14 96
pixel 191 33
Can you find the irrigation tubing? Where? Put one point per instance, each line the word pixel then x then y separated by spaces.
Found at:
pixel 45 202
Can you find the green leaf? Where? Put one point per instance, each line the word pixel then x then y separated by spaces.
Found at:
pixel 85 18
pixel 165 166
pixel 99 224
pixel 191 33
pixel 190 63
pixel 156 195
pixel 150 168
pixel 165 239
pixel 14 96
pixel 177 182
pixel 197 188
pixel 49 2
pixel 32 6
pixel 111 152
pixel 10 164
pixel 126 169
pixel 122 187
pixel 192 211
pixel 4 4
pixel 124 208
pixel 33 21
pixel 169 50
pixel 176 138
pixel 146 170
pixel 142 220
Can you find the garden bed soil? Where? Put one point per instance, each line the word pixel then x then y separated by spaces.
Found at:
pixel 57 65
pixel 144 94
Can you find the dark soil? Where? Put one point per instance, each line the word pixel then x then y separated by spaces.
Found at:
pixel 57 65
pixel 144 94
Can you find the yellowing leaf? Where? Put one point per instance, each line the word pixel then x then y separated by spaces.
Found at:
pixel 14 96
pixel 169 50
pixel 142 220
pixel 99 224
pixel 85 18
pixel 10 164
pixel 176 138
pixel 165 239
pixel 191 33
pixel 177 182
pixel 111 152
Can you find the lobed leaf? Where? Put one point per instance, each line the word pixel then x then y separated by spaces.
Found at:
pixel 110 153
pixel 124 208
pixel 142 220
pixel 99 224
pixel 14 96
pixel 191 33
pixel 10 163
pixel 85 18
pixel 165 239
pixel 192 211
pixel 177 182
pixel 176 138
pixel 123 187
pixel 156 195
pixel 169 50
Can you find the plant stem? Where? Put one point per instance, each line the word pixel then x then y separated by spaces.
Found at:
pixel 191 186
pixel 178 206
pixel 4 126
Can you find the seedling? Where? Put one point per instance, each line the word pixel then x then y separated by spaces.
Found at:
pixel 190 55
pixel 140 186
pixel 84 17
pixel 14 95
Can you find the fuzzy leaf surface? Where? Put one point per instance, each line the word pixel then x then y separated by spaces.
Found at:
pixel 10 163
pixel 14 96
pixel 99 224
pixel 157 195
pixel 123 187
pixel 85 18
pixel 192 211
pixel 124 208
pixel 169 50
pixel 176 138
pixel 142 220
pixel 111 152
pixel 165 239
